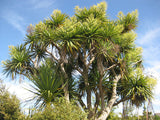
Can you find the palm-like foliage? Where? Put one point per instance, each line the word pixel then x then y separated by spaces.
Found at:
pixel 139 88
pixel 20 62
pixel 129 21
pixel 46 85
pixel 56 20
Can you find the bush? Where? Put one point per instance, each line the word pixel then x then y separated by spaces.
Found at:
pixel 156 117
pixel 61 110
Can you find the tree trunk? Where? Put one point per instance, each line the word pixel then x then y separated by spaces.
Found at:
pixel 66 92
pixel 96 103
pixel 101 72
pixel 101 93
pixel 65 89
pixel 105 113
pixel 90 114
pixel 89 107
pixel 86 82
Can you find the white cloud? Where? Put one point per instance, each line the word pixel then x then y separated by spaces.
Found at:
pixel 151 52
pixel 150 43
pixel 149 36
pixel 20 90
pixel 22 93
pixel 41 3
pixel 14 19
pixel 154 66
pixel 151 47
pixel 156 102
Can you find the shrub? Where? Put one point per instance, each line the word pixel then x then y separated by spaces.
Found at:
pixel 61 110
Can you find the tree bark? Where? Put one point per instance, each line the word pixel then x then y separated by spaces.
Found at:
pixel 85 77
pixel 65 89
pixel 96 103
pixel 107 110
pixel 101 93
pixel 101 72
pixel 63 60
pixel 86 82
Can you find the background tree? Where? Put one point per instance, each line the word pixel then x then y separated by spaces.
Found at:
pixel 137 90
pixel 9 105
pixel 95 56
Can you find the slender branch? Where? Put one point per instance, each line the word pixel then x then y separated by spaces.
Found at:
pixel 52 55
pixel 97 101
pixel 81 57
pixel 79 70
pixel 56 45
pixel 85 57
pixel 32 61
pixel 114 72
pixel 36 61
pixel 90 51
pixel 122 100
pixel 110 67
pixel 90 62
pixel 137 62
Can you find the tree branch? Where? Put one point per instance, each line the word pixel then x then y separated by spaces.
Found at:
pixel 56 45
pixel 32 61
pixel 52 55
pixel 81 57
pixel 110 67
pixel 85 57
pixel 137 62
pixel 97 101
pixel 122 100
pixel 79 70
pixel 90 51
pixel 90 62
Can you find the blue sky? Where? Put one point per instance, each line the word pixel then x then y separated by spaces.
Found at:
pixel 16 15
